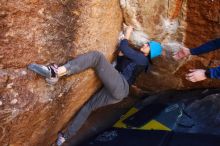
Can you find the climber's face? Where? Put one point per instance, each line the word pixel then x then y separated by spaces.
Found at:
pixel 145 49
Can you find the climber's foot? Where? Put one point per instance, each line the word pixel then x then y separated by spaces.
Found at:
pixel 50 71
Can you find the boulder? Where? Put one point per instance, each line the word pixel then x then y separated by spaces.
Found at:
pixel 45 31
pixel 31 111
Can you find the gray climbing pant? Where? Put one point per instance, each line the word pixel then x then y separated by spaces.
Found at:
pixel 115 86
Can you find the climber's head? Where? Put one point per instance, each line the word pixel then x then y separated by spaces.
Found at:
pixel 145 49
pixel 152 48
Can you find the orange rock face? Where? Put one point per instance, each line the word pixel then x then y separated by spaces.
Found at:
pixel 41 31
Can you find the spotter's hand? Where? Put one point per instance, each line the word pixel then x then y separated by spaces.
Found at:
pixel 183 52
pixel 196 75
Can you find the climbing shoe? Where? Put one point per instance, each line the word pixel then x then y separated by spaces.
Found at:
pixel 60 139
pixel 50 71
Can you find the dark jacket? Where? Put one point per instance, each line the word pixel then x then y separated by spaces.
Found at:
pixel 205 48
pixel 132 63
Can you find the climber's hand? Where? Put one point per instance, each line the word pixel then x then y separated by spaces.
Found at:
pixel 196 75
pixel 120 53
pixel 128 32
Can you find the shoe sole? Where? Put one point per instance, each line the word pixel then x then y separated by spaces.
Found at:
pixel 40 69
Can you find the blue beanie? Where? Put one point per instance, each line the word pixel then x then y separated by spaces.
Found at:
pixel 155 49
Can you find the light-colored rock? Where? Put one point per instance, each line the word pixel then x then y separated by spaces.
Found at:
pixel 9 85
pixel 14 101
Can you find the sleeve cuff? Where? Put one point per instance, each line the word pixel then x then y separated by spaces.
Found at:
pixel 192 52
pixel 125 40
pixel 123 44
pixel 208 73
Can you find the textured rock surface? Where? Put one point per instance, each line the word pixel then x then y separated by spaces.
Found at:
pixel 48 31
pixel 175 23
pixel 42 31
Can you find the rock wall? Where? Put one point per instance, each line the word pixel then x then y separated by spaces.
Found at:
pixel 48 31
pixel 175 23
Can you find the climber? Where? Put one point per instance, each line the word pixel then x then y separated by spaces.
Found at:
pixel 196 75
pixel 130 63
